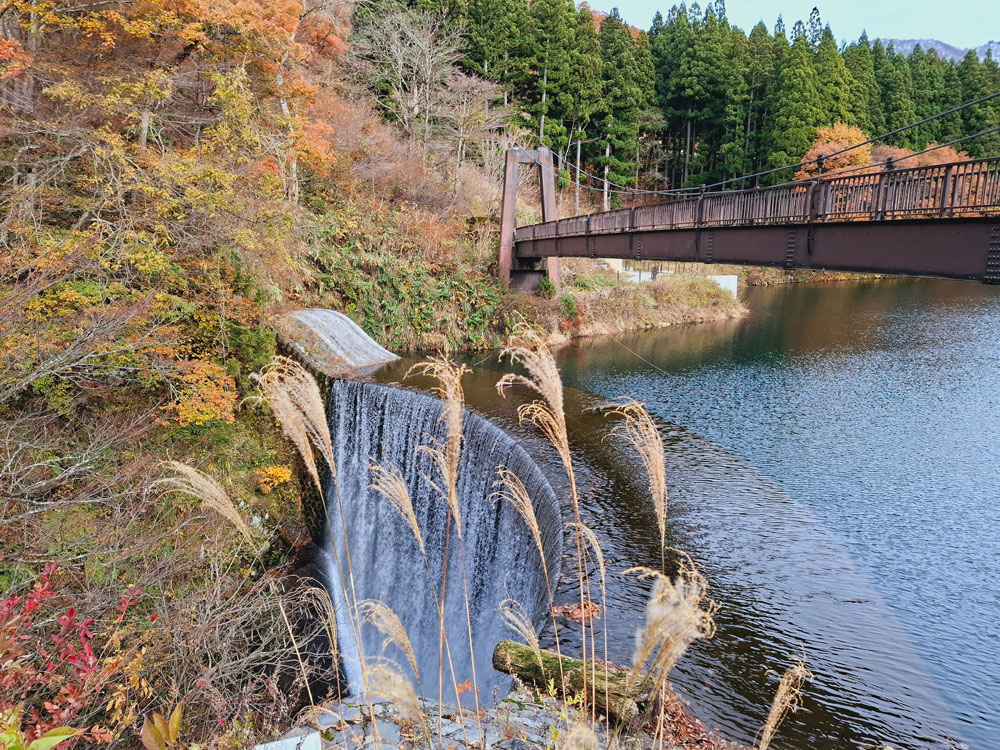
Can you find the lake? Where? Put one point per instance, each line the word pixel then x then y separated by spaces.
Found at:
pixel 834 467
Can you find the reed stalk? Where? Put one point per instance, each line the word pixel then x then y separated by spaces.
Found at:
pixel 595 546
pixel 787 698
pixel 389 482
pixel 512 490
pixel 297 404
pixel 548 415
pixel 446 454
pixel 638 428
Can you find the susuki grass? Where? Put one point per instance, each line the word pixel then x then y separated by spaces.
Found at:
pixel 212 495
pixel 388 481
pixel 639 429
pixel 379 614
pixel 786 699
pixel 678 612
pixel 384 681
pixel 548 414
pixel 516 617
pixel 446 455
pixel 297 403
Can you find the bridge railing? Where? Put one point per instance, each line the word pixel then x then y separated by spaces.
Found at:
pixel 970 188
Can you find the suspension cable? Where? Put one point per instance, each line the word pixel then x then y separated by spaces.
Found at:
pixel 870 141
pixel 624 190
pixel 956 141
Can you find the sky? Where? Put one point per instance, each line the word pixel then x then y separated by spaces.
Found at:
pixel 962 23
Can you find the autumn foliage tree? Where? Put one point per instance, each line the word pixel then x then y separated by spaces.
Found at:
pixel 830 142
pixel 155 159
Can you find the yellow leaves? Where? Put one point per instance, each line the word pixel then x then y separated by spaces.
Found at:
pixel 139 28
pixel 208 393
pixel 153 87
pixel 71 94
pixel 129 690
pixel 271 477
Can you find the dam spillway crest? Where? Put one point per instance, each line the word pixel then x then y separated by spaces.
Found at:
pixel 372 553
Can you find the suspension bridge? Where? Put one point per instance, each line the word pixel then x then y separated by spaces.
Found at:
pixel 937 221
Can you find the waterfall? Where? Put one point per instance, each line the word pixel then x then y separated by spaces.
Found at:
pixel 330 342
pixel 374 422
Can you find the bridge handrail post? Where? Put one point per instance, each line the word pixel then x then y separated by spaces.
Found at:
pixel 946 191
pixel 816 200
pixel 699 216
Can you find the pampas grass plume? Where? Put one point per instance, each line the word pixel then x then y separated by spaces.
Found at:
pixel 380 615
pixel 787 698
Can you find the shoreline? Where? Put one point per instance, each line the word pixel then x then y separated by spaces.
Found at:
pixel 524 719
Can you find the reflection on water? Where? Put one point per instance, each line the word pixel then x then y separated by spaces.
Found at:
pixel 841 434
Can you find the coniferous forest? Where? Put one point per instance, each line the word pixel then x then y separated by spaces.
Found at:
pixel 696 100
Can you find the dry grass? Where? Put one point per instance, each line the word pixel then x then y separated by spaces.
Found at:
pixel 380 615
pixel 212 495
pixel 384 681
pixel 298 406
pixel 516 616
pixel 638 428
pixel 678 613
pixel 318 598
pixel 388 481
pixel 512 490
pixel 786 699
pixel 207 491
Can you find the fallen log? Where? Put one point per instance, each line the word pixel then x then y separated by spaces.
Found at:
pixel 608 688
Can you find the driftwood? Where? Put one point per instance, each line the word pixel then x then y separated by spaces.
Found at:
pixel 616 698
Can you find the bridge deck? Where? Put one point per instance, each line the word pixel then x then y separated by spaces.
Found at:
pixel 942 220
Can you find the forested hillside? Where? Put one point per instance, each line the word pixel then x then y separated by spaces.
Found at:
pixel 696 100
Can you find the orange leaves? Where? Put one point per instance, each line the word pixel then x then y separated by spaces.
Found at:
pixel 946 155
pixel 273 23
pixel 313 147
pixel 208 393
pixel 13 58
pixel 840 136
pixel 831 140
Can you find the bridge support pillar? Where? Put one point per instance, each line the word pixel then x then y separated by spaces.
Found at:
pixel 526 273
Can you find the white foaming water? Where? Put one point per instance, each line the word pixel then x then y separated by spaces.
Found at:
pixel 330 341
pixel 371 422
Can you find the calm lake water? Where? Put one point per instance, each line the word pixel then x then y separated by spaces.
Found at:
pixel 834 466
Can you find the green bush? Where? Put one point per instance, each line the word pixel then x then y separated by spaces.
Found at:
pixel 567 304
pixel 546 288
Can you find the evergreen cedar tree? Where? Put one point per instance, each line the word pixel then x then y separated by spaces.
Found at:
pixel 695 99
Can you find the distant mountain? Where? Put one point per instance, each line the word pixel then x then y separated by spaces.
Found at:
pixel 945 51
